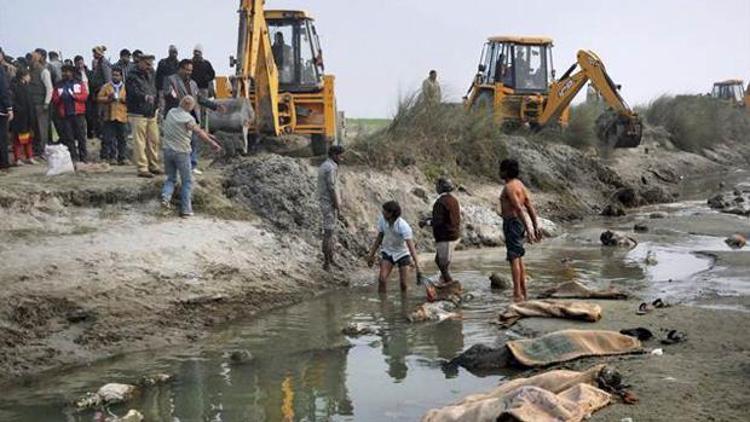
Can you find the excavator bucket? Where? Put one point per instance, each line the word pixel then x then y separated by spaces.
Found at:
pixel 617 130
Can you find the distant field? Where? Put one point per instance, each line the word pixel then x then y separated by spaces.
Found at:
pixel 363 127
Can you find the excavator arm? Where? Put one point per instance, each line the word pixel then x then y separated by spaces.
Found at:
pixel 256 68
pixel 621 127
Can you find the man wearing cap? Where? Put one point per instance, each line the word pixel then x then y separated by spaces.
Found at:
pixel 446 226
pixel 40 91
pixel 203 75
pixel 142 108
pixel 330 201
pixel 101 73
pixel 167 67
pixel 124 63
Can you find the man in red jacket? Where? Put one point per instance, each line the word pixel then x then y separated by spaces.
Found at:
pixel 446 227
pixel 69 98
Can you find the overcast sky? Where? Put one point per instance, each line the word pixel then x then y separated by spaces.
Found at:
pixel 379 49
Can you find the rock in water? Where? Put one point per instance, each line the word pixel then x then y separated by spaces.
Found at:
pixel 736 241
pixel 613 210
pixel 359 329
pixel 657 215
pixel 717 202
pixel 499 282
pixel 241 356
pixel 114 393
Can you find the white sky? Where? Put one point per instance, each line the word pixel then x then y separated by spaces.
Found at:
pixel 379 49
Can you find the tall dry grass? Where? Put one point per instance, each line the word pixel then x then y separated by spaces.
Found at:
pixel 438 138
pixel 699 122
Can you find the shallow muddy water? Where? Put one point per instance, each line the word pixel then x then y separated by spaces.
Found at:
pixel 304 369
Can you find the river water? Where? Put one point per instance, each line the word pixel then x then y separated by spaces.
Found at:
pixel 305 369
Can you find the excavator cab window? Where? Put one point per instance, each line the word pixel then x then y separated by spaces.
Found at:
pixel 295 51
pixel 530 68
pixel 726 91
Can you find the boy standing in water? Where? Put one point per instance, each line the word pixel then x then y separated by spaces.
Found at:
pixel 397 241
pixel 515 203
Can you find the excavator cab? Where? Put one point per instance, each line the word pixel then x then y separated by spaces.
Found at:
pixel 730 90
pixel 522 64
pixel 296 50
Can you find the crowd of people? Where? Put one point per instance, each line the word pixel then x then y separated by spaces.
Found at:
pixel 47 100
pixel 42 95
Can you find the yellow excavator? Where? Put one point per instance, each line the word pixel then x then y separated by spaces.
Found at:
pixel 279 68
pixel 732 90
pixel 516 81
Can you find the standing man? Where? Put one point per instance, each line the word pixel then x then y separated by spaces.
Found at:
pixel 431 93
pixel 101 73
pixel 6 115
pixel 134 64
pixel 124 63
pixel 69 97
pixel 166 68
pixel 203 74
pixel 515 202
pixel 113 99
pixel 55 66
pixel 330 201
pixel 446 227
pixel 40 89
pixel 142 109
pixel 180 85
pixel 180 128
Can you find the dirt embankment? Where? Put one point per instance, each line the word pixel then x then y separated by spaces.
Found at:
pixel 92 268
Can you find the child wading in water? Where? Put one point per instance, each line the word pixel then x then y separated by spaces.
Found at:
pixel 515 203
pixel 396 244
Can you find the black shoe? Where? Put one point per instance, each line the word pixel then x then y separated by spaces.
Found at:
pixel 146 175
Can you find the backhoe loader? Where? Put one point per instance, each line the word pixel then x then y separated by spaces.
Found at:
pixel 732 90
pixel 516 82
pixel 279 68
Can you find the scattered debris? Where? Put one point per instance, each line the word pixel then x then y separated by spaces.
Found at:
pixel 736 241
pixel 640 228
pixel 642 334
pixel 610 238
pixel 357 329
pixel 657 352
pixel 651 258
pixel 151 380
pixel 674 337
pixel 109 394
pixel 435 311
pixel 132 416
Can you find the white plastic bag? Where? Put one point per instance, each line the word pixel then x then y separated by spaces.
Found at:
pixel 58 160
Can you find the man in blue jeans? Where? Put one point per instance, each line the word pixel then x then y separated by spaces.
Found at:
pixel 177 131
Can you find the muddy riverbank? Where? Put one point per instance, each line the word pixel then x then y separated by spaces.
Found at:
pixel 93 269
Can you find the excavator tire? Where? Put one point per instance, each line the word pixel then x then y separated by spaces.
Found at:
pixel 618 131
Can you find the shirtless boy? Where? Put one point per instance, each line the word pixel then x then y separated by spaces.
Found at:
pixel 515 203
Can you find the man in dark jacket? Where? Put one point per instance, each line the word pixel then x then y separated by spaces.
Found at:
pixel 203 72
pixel 101 73
pixel 6 115
pixel 166 68
pixel 446 227
pixel 124 63
pixel 142 108
pixel 22 126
